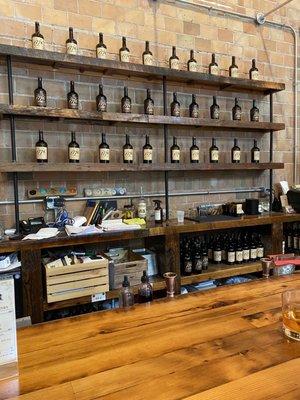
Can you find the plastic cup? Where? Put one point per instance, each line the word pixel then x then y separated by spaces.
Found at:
pixel 180 216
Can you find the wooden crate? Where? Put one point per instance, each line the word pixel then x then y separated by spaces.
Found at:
pixel 126 262
pixel 77 280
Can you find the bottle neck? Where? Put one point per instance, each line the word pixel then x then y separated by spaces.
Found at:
pixel 254 103
pixel 101 90
pixel 236 101
pixel 213 58
pixel 192 54
pixel 174 51
pixel 147 48
pixel 123 41
pixel 193 98
pixel 41 136
pixel 37 28
pixel 148 94
pixel 40 83
pixel 103 138
pixel 125 92
pixel 233 60
pixel 127 139
pixel 72 86
pixel 253 64
pixel 71 34
pixel 174 141
pixel 213 142
pixel 73 136
pixel 147 139
pixel 100 38
pixel 194 141
pixel 175 97
pixel 235 142
pixel 214 100
pixel 255 143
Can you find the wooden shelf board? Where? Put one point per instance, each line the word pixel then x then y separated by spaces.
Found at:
pixel 112 67
pixel 114 118
pixel 222 271
pixel 97 167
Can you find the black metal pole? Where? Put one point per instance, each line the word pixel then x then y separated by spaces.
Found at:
pixel 166 147
pixel 13 141
pixel 271 151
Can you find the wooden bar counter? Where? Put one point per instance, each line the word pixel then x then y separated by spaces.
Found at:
pixel 224 344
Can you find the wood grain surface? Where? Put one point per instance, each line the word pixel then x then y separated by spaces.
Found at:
pixel 225 343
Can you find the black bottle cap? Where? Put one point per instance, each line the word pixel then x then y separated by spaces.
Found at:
pixel 125 282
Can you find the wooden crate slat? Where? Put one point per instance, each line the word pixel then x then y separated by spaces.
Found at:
pixel 85 283
pixel 78 293
pixel 78 276
pixel 101 264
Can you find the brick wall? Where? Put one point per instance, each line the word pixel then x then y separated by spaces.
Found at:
pixel 164 24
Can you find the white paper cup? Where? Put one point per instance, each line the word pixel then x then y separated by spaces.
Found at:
pixel 180 216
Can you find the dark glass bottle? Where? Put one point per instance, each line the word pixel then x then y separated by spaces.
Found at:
pixel 124 52
pixel 175 151
pixel 148 104
pixel 194 108
pixel 236 110
pixel 147 152
pixel 214 152
pixel 101 49
pixel 71 43
pixel 230 253
pixel 127 151
pixel 233 69
pixel 41 149
pixel 174 60
pixel 204 257
pixel 194 152
pixel 145 290
pixel 213 67
pixel 37 38
pixel 254 112
pixel 214 109
pixel 104 152
pixel 235 153
pixel 192 63
pixel 217 251
pixel 198 262
pixel 253 72
pixel 246 250
pixel 187 263
pixel 255 153
pixel 101 101
pixel 175 106
pixel 260 248
pixel 73 100
pixel 239 256
pixel 126 294
pixel 126 102
pixel 253 249
pixel 147 55
pixel 74 149
pixel 40 95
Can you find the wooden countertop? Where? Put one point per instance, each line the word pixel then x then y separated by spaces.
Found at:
pixel 220 344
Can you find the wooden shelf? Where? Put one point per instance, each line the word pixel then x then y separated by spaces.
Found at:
pixel 97 167
pixel 222 271
pixel 112 67
pixel 114 118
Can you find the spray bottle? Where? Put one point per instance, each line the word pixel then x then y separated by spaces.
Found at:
pixel 158 212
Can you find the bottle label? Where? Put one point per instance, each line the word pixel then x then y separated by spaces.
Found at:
pixel 214 70
pixel 148 59
pixel 253 254
pixel 101 52
pixel 176 155
pixel 176 110
pixel 73 101
pixel 239 255
pixel 198 264
pixel 195 112
pixel 157 217
pixel 126 106
pixel 260 252
pixel 147 154
pixel 74 153
pixel 174 63
pixel 149 108
pixel 237 115
pixel 289 241
pixel 128 154
pixel 218 255
pixel 72 48
pixel 231 256
pixel 102 105
pixel 124 56
pixel 41 153
pixel 236 155
pixel 38 43
pixel 234 72
pixel 256 155
pixel 195 155
pixel 142 210
pixel 215 113
pixel 295 241
pixel 40 99
pixel 255 116
pixel 104 154
pixel 246 254
pixel 214 155
pixel 192 66
pixel 205 262
pixel 188 266
pixel 254 75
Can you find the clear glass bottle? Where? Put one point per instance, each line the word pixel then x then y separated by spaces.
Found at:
pixel 126 295
pixel 145 290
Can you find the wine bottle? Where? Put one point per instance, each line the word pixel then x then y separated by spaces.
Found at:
pixel 233 69
pixel 145 290
pixel 74 149
pixel 175 151
pixel 230 253
pixel 236 110
pixel 239 257
pixel 235 153
pixel 254 112
pixel 126 102
pixel 41 149
pixel 253 249
pixel 147 152
pixel 37 38
pixel 194 152
pixel 255 153
pixel 194 108
pixel 148 104
pixel 246 250
pixel 253 73
pixel 259 248
pixel 192 63
pixel 188 264
pixel 127 151
pixel 73 100
pixel 40 94
pixel 213 67
pixel 71 43
pixel 124 52
pixel 198 262
pixel 214 109
pixel 217 251
pixel 101 101
pixel 147 55
pixel 174 60
pixel 175 106
pixel 104 152
pixel 214 152
pixel 101 49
